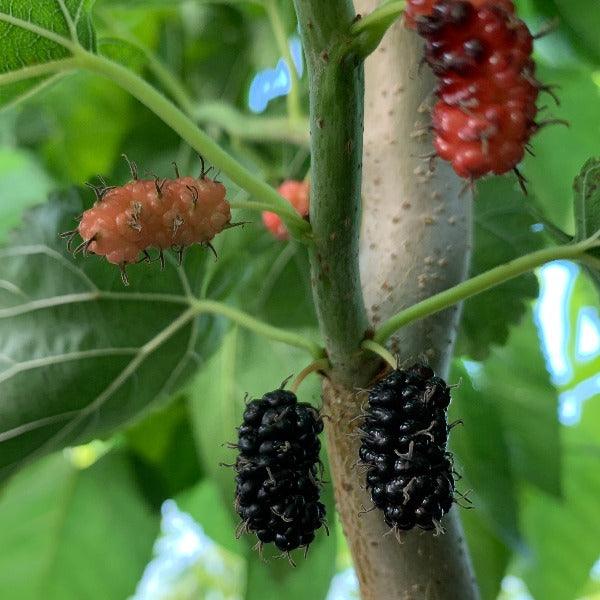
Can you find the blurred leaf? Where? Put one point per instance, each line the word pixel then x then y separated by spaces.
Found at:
pixel 516 378
pixel 249 365
pixel 73 533
pixel 587 213
pixel 484 456
pixel 82 110
pixel 205 503
pixel 560 151
pixel 123 51
pixel 80 354
pixel 582 20
pixel 164 452
pixel 28 40
pixel 503 232
pixel 564 536
pixel 22 183
pixel 489 554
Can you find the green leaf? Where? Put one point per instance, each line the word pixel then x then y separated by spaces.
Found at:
pixel 79 353
pixel 37 41
pixel 587 213
pixel 563 536
pixel 587 200
pixel 503 232
pixel 82 110
pixel 73 533
pixel 582 20
pixel 164 453
pixel 249 365
pixel 483 453
pixel 22 183
pixel 123 51
pixel 516 378
pixel 204 502
pixel 560 151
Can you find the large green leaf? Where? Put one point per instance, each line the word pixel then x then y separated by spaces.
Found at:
pixel 35 40
pixel 516 378
pixel 503 232
pixel 249 365
pixel 80 354
pixel 70 533
pixel 483 454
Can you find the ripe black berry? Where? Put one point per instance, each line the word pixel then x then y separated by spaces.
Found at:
pixel 403 444
pixel 277 483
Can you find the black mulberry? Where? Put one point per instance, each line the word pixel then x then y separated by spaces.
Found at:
pixel 278 478
pixel 403 444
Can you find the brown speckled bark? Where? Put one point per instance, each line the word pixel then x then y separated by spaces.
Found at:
pixel 415 242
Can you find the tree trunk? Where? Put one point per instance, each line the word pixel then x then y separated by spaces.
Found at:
pixel 415 242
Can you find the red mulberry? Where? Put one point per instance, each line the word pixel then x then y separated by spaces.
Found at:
pixel 297 194
pixel 171 213
pixel 277 486
pixel 481 54
pixel 405 432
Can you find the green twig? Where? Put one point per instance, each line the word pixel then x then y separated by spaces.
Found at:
pixel 479 284
pixel 260 129
pixel 199 140
pixel 317 366
pixel 295 112
pixel 260 327
pixel 336 119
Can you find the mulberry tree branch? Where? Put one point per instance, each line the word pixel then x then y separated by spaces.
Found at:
pixel 336 122
pixel 415 243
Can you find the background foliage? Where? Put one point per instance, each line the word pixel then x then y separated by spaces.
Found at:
pixel 82 522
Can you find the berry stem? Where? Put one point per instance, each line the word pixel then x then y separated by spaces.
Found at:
pixel 316 366
pixel 369 30
pixel 336 122
pixel 200 141
pixel 477 285
pixel 381 351
pixel 249 322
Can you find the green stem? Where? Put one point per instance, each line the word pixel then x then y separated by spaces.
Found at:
pixel 255 206
pixel 479 284
pixel 336 119
pixel 260 129
pixel 369 30
pixel 260 327
pixel 293 98
pixel 171 84
pixel 199 140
